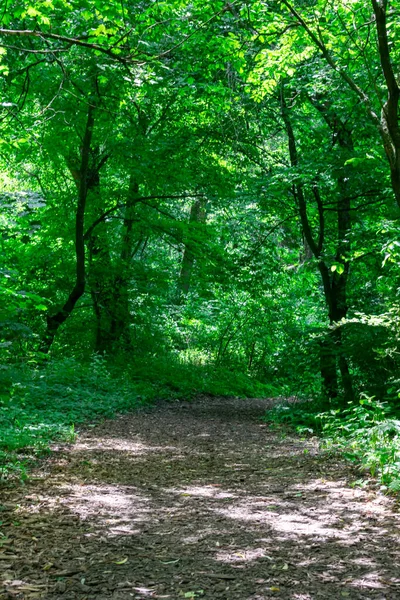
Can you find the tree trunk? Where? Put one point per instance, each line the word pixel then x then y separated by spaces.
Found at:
pixel 55 321
pixel 197 215
pixel 327 357
pixel 100 282
pixel 109 281
pixel 120 310
pixel 334 282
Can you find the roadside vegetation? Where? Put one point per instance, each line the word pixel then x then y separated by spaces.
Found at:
pixel 366 432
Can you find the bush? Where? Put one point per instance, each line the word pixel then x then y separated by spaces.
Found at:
pixel 368 434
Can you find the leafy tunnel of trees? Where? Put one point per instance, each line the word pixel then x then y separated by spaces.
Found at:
pixel 214 184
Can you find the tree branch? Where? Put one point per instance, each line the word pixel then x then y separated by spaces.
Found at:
pixel 72 41
pixel 137 200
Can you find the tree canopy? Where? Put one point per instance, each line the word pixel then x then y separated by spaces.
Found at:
pixel 214 183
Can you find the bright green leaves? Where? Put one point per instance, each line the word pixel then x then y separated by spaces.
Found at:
pixel 337 268
pixel 391 252
pixel 277 59
pixel 4 70
pixel 189 102
pixel 41 12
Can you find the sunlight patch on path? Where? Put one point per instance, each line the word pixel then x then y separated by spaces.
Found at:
pixel 202 491
pixel 289 523
pixel 119 509
pixel 120 445
pixel 239 555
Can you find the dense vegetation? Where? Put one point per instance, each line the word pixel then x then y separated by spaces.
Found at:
pixel 200 197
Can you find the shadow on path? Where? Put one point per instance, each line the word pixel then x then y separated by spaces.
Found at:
pixel 196 501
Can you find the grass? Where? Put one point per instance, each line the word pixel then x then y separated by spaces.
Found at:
pixel 184 379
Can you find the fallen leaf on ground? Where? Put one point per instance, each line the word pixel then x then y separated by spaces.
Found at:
pixel 120 562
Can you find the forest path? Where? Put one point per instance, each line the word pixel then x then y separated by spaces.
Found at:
pixel 196 500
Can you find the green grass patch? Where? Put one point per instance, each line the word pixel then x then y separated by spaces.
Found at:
pixel 182 379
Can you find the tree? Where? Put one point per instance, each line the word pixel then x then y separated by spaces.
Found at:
pixel 359 35
pixel 209 184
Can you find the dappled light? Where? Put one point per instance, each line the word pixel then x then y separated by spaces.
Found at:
pixel 147 506
pixel 207 491
pixel 112 506
pixel 121 445
pixel 199 299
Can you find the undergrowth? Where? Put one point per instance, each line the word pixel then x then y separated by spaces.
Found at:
pixel 366 432
pixel 39 405
pixel 42 404
pixel 183 379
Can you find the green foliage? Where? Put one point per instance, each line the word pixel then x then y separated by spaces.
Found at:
pixel 366 432
pixel 239 233
pixel 41 404
pixel 181 377
pixel 303 415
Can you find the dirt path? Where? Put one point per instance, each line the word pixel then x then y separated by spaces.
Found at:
pixel 196 501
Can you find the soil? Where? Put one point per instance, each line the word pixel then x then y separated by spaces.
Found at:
pixel 196 500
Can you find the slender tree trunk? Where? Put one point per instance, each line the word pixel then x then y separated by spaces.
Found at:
pixel 109 280
pixel 197 215
pixel 334 283
pixel 328 369
pixel 121 312
pixel 328 347
pixel 55 321
pixel 339 305
pixel 100 282
pixel 251 354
